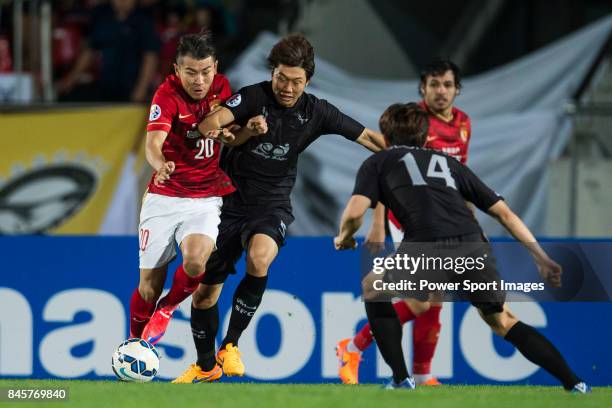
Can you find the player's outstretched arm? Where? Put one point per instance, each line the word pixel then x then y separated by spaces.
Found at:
pixel 256 126
pixel 376 235
pixel 549 269
pixel 235 135
pixel 372 140
pixel 217 119
pixel 155 157
pixel 352 219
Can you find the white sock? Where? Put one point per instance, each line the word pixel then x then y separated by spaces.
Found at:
pixel 351 347
pixel 421 378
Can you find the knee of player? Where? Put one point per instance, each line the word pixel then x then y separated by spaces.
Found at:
pixel 193 266
pixel 367 287
pixel 259 262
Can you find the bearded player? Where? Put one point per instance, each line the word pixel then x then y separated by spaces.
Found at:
pixel 449 132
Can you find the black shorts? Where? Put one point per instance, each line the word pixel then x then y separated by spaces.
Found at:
pixel 235 230
pixel 488 301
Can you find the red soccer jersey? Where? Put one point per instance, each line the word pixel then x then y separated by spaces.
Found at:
pixel 197 173
pixel 451 137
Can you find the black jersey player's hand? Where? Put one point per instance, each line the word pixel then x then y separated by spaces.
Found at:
pixel 342 244
pixel 550 271
pixel 163 173
pixel 257 125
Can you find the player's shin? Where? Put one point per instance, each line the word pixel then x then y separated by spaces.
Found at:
pixel 204 327
pixel 425 338
pixel 183 285
pixel 247 298
pixel 364 337
pixel 539 350
pixel 387 331
pixel 140 313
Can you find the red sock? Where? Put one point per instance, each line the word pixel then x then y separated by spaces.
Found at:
pixel 425 338
pixel 404 314
pixel 364 338
pixel 183 285
pixel 140 313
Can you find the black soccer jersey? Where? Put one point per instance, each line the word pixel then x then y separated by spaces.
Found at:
pixel 426 190
pixel 264 168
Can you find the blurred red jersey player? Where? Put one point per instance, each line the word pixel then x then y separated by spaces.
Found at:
pixel 183 201
pixel 449 132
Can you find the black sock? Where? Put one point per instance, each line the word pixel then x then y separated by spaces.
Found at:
pixel 246 301
pixel 204 326
pixel 539 350
pixel 387 331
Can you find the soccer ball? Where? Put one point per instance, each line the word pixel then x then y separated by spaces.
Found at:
pixel 135 360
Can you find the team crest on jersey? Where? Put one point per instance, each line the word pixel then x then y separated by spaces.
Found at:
pixel 464 134
pixel 234 101
pixel 269 151
pixel 155 112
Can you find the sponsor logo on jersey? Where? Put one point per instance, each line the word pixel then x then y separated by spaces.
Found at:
pixel 155 112
pixel 269 151
pixel 234 100
pixel 184 116
pixel 193 134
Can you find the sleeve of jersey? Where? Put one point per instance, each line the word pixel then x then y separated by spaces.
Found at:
pixel 337 123
pixel 475 190
pixel 226 90
pixel 367 182
pixel 469 138
pixel 244 104
pixel 162 113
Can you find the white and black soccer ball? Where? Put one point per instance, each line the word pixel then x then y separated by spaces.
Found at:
pixel 135 360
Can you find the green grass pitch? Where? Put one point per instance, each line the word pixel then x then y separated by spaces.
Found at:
pixel 111 394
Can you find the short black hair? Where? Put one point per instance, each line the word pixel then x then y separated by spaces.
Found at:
pixel 405 124
pixel 199 46
pixel 294 51
pixel 439 66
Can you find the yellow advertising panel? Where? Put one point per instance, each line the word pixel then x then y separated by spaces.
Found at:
pixel 59 168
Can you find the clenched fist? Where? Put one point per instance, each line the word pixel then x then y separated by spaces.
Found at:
pixel 257 125
pixel 344 243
